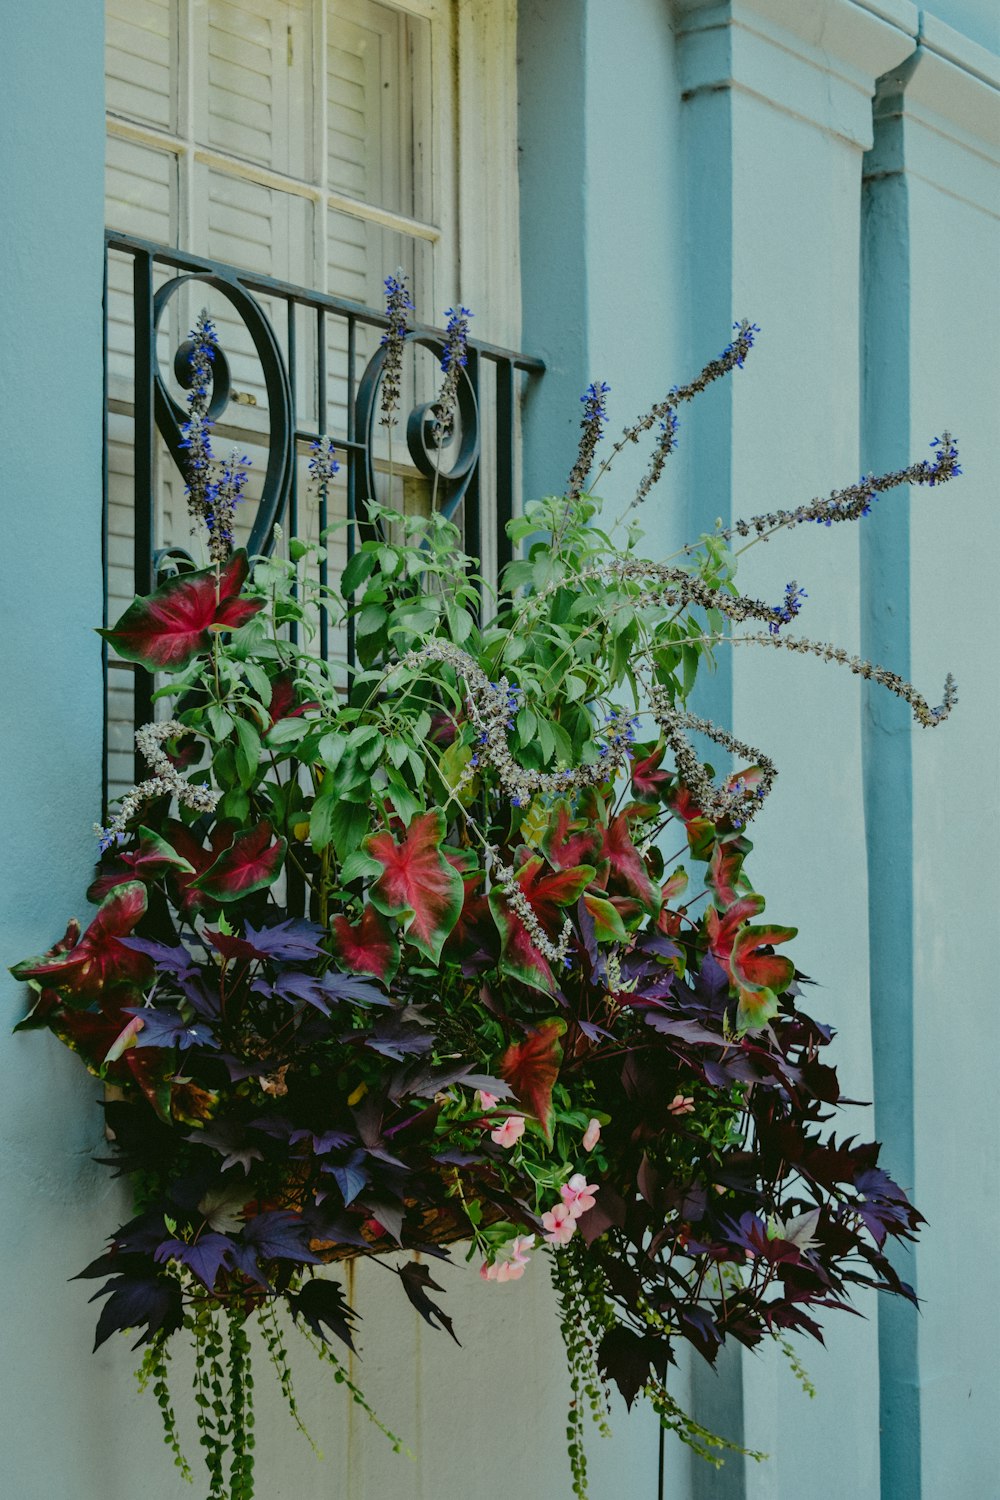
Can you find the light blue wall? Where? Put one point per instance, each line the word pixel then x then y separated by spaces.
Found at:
pixel 51 189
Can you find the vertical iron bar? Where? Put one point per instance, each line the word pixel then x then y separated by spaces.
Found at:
pixel 145 460
pixel 104 545
pixel 324 621
pixel 293 484
pixel 352 477
pixel 472 505
pixel 662 1464
pixel 505 459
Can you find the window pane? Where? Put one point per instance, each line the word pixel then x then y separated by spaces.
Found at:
pixel 378 95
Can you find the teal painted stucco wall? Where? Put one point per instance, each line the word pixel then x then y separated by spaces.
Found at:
pixel 769 176
pixel 55 1416
pixel 830 170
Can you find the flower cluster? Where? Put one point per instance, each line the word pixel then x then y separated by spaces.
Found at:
pixel 454 359
pixel 166 781
pixel 221 499
pixel 398 303
pixel 856 500
pixel 323 464
pixel 196 431
pixel 595 414
pixel 785 612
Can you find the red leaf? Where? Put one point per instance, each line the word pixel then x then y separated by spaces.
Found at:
pixel 284 703
pixel 153 856
pixel 647 778
pixel 608 924
pixel 250 863
pixel 418 884
pixel 755 970
pixel 168 628
pixel 98 961
pixel 570 842
pixel 531 1068
pixel 368 948
pixel 474 929
pixel 722 929
pixel 700 830
pixel 724 871
pixel 628 869
pixel 190 899
pixel 546 893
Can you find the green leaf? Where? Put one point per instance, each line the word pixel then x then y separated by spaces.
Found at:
pixel 398 751
pixel 403 800
pixel 360 866
pixel 221 722
pixel 330 750
pixel 370 620
pixel 358 568
pixel 321 817
pixel 351 821
pixel 247 753
pixel 574 687
pixel 286 732
pixel 527 724
pixel 258 681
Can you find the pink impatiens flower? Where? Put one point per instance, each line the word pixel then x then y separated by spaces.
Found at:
pixel 681 1104
pixel 486 1101
pixel 508 1132
pixel 591 1135
pixel 578 1194
pixel 515 1259
pixel 560 1224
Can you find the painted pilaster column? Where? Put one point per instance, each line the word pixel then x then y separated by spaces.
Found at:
pixel 932 258
pixel 58 1427
pixel 777 115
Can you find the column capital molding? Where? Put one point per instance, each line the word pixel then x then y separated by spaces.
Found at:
pixel 817 60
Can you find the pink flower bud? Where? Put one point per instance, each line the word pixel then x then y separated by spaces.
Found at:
pixel 591 1135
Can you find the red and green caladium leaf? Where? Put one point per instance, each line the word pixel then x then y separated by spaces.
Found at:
pixel 648 780
pixel 700 831
pixel 98 962
pixel 251 863
pixel 569 842
pixel 760 976
pixel 608 924
pixel 367 947
pixel 628 873
pixel 531 1068
pixel 725 871
pixel 546 893
pixel 188 897
pixel 171 626
pixel 153 856
pixel 418 884
pixel 722 928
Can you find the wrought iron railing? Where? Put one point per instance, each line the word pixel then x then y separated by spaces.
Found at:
pixel 148 275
